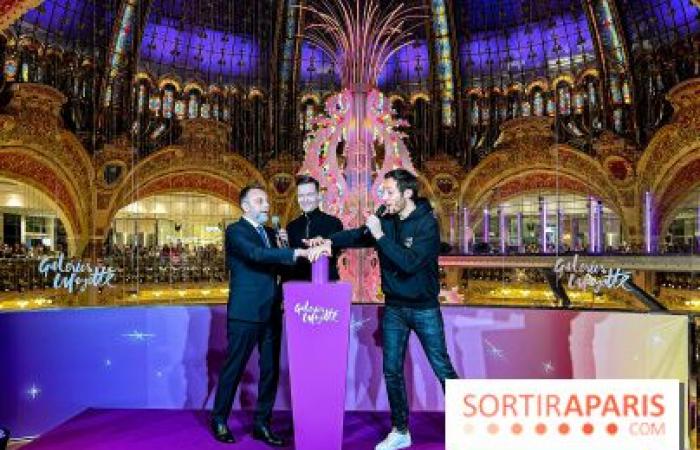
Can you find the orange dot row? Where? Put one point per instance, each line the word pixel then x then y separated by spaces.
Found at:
pixel 541 428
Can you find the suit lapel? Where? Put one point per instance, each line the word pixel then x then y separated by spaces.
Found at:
pixel 251 230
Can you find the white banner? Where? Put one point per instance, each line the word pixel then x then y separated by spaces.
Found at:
pixel 563 414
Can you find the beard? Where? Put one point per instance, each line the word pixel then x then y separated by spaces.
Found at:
pixel 397 207
pixel 262 218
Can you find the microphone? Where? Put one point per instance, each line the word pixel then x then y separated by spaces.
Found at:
pixel 276 225
pixel 379 213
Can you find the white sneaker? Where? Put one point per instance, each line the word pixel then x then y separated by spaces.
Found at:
pixel 394 441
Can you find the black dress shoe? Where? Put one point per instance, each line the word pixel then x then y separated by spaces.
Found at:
pixel 221 432
pixel 264 434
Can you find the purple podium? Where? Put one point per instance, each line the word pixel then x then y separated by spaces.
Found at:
pixel 317 321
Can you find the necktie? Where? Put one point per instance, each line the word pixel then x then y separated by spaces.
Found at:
pixel 263 235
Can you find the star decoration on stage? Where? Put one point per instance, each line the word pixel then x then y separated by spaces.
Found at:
pixel 356 325
pixel 494 351
pixel 137 335
pixel 33 392
pixel 548 367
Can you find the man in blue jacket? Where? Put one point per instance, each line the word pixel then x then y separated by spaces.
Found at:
pixel 254 313
pixel 407 240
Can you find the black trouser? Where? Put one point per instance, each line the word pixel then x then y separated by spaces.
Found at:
pixel 242 338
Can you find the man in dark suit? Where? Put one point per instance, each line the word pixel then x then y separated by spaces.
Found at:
pixel 311 223
pixel 254 313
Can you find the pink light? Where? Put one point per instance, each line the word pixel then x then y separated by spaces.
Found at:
pixel 487 218
pixel 697 227
pixel 591 225
pixel 647 221
pixel 543 223
pixel 519 230
pixel 502 229
pixel 560 228
pixel 600 232
pixel 465 230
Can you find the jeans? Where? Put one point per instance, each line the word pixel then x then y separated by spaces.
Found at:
pixel 396 326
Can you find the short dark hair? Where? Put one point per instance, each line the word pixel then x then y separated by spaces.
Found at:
pixel 404 180
pixel 246 190
pixel 307 179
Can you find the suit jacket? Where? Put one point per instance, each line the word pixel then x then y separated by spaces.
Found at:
pixel 254 290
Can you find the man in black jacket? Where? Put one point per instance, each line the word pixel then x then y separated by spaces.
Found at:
pixel 407 240
pixel 254 313
pixel 310 224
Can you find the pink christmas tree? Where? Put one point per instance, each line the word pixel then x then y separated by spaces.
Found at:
pixel 359 40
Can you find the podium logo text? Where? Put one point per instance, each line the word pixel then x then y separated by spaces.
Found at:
pixel 315 315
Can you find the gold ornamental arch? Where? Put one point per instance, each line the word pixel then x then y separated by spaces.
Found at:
pixel 670 166
pixel 36 150
pixel 174 169
pixel 526 159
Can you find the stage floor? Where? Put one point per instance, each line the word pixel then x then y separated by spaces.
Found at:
pixel 152 429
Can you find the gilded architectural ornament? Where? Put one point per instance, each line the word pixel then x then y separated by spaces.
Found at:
pixel 670 165
pixel 280 173
pixel 527 159
pixel 41 152
pixel 11 10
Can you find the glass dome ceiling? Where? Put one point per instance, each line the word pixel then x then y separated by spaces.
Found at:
pixel 497 42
